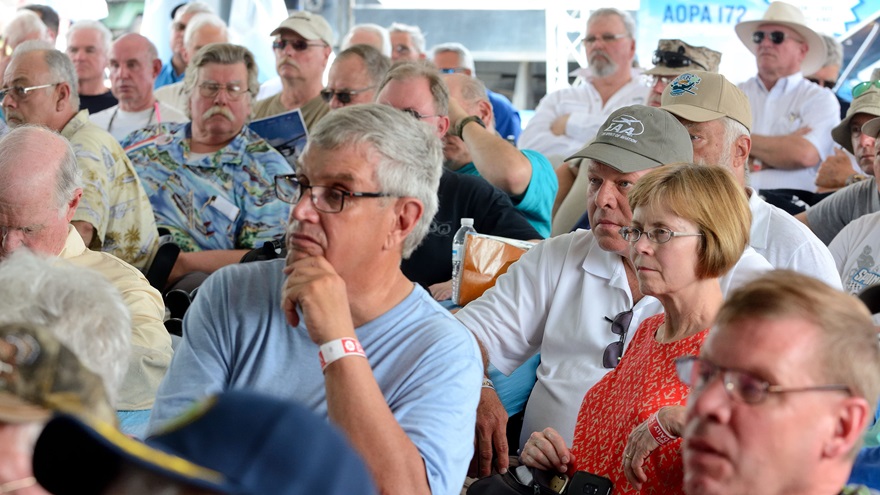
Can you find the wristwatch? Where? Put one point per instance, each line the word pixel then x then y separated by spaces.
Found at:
pixel 465 121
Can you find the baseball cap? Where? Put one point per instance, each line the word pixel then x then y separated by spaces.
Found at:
pixel 701 96
pixel 677 57
pixel 872 127
pixel 40 375
pixel 638 137
pixel 867 102
pixel 309 26
pixel 238 442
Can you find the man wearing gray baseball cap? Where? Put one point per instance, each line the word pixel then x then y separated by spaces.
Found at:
pixel 561 298
pixel 718 117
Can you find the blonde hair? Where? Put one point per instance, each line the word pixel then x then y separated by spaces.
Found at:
pixel 707 196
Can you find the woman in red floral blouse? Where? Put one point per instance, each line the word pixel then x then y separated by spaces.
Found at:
pixel 690 226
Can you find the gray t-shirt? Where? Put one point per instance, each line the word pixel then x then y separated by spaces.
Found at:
pixel 829 216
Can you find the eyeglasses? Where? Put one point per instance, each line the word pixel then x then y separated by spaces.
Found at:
pixel 324 198
pixel 823 82
pixel 777 37
pixel 863 87
pixel 454 70
pixel 659 235
pixel 297 45
pixel 606 38
pixel 619 326
pixel 344 96
pixel 416 114
pixel 20 93
pixel 697 372
pixel 675 60
pixel 210 90
pixel 663 80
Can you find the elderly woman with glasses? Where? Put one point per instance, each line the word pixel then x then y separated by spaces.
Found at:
pixel 690 226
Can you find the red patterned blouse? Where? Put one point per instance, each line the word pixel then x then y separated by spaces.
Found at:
pixel 643 382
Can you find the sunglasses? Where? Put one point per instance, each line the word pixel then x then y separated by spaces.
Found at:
pixel 776 37
pixel 863 87
pixel 675 60
pixel 297 45
pixel 619 326
pixel 344 96
pixel 822 82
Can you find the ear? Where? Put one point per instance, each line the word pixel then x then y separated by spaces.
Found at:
pixel 327 51
pixel 442 124
pixel 484 109
pixel 850 423
pixel 741 149
pixel 157 68
pixel 73 204
pixel 63 97
pixel 407 211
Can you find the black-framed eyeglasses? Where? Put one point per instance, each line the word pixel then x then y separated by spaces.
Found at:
pixel 343 95
pixel 776 37
pixel 659 235
pixel 696 372
pixel 416 114
pixel 297 45
pixel 675 60
pixel 324 198
pixel 825 83
pixel 210 90
pixel 619 326
pixel 605 38
pixel 863 87
pixel 19 93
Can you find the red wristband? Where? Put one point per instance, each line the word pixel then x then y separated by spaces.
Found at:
pixel 658 433
pixel 338 349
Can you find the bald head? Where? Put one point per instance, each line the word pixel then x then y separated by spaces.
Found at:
pixel 134 67
pixel 35 164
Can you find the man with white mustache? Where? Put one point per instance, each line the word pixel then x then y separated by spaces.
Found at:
pixel 210 181
pixel 566 119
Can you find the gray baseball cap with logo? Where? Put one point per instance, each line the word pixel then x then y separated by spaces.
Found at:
pixel 637 138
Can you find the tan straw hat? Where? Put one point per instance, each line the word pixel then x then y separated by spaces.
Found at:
pixel 791 17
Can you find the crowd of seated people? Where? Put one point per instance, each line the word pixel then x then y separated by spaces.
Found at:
pixel 688 320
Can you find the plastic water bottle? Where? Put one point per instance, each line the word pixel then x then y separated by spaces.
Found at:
pixel 458 242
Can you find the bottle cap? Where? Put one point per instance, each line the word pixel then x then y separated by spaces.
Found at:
pixel 467 221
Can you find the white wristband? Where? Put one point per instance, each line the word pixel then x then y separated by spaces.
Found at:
pixel 338 349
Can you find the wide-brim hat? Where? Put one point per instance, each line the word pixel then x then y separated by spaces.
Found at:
pixel 637 138
pixel 867 102
pixel 309 26
pixel 791 17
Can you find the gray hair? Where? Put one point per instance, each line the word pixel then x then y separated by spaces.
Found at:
pixel 414 32
pixel 80 306
pixel 410 155
pixel 106 35
pixel 415 69
pixel 60 66
pixel 23 24
pixel 194 8
pixel 224 54
pixel 371 28
pixel 465 59
pixel 834 51
pixel 732 131
pixel 377 65
pixel 21 143
pixel 628 22
pixel 200 20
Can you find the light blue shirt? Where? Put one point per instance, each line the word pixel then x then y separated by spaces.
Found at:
pixel 537 202
pixel 168 76
pixel 428 366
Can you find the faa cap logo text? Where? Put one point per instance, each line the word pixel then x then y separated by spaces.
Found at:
pixel 624 127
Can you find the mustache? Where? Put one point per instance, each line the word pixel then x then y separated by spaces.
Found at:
pixel 599 53
pixel 287 61
pixel 217 109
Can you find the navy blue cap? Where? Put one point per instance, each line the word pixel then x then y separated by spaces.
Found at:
pixel 235 443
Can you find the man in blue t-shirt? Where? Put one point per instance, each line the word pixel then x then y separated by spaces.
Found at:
pixel 472 146
pixel 337 326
